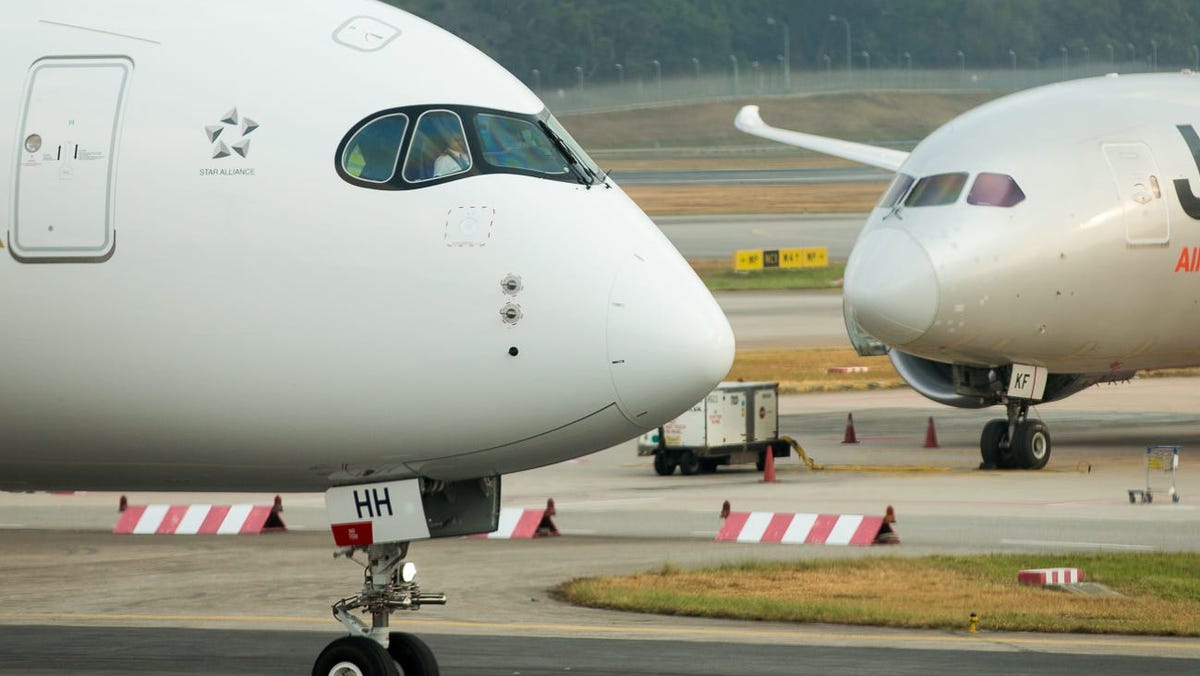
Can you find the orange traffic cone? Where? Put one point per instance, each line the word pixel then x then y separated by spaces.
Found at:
pixel 769 466
pixel 850 438
pixel 546 526
pixel 888 535
pixel 931 435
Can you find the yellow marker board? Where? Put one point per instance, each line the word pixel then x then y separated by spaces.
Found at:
pixel 747 259
pixel 759 259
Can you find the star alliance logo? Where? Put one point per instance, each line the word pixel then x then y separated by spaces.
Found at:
pixel 230 122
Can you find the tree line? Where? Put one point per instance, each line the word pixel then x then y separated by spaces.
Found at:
pixel 559 41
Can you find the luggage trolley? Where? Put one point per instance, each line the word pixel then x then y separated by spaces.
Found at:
pixel 1161 461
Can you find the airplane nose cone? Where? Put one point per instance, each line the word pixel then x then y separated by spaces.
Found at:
pixel 891 286
pixel 669 343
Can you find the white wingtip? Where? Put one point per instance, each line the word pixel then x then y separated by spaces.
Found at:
pixel 748 118
pixel 749 121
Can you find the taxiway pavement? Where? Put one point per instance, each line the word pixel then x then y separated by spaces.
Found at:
pixel 171 651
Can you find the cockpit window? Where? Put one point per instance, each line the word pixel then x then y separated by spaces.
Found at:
pixel 896 191
pixel 438 149
pixel 589 170
pixel 936 190
pixel 435 143
pixel 513 143
pixel 995 190
pixel 374 151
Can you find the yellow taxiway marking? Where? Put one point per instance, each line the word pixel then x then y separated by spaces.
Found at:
pixel 994 639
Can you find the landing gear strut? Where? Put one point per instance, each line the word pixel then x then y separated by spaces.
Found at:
pixel 373 650
pixel 1016 442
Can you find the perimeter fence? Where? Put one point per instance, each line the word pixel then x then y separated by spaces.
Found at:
pixel 586 96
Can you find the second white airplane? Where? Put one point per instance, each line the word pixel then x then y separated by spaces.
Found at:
pixel 1030 248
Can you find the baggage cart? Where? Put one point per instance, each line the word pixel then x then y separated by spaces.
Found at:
pixel 1161 464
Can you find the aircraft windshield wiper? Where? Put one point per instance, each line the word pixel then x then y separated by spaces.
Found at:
pixel 582 172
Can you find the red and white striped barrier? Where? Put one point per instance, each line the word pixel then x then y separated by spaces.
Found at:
pixel 516 523
pixel 199 520
pixel 1044 576
pixel 810 529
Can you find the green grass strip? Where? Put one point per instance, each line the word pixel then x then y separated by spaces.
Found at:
pixel 789 278
pixel 1159 593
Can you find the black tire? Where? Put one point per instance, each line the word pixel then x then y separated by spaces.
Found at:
pixel 354 656
pixel 1031 448
pixel 994 432
pixel 709 465
pixel 760 463
pixel 689 464
pixel 664 463
pixel 412 655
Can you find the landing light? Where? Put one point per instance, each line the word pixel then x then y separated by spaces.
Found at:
pixel 408 572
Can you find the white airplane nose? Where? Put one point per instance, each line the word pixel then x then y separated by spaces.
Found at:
pixel 891 286
pixel 669 343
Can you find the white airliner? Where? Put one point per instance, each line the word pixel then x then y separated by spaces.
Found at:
pixel 1030 248
pixel 283 246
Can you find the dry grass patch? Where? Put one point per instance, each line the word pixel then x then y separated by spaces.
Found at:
pixel 683 160
pixel 804 370
pixel 719 275
pixel 1171 373
pixel 1162 594
pixel 754 198
pixel 858 116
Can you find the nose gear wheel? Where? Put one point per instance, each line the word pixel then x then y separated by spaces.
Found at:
pixel 372 650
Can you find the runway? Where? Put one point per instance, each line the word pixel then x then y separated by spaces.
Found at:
pixel 719 236
pixel 785 319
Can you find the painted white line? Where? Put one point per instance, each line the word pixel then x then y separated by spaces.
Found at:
pixel 577 531
pixel 12 525
pixel 1089 545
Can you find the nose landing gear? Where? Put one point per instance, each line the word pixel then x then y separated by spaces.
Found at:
pixel 1016 442
pixel 372 650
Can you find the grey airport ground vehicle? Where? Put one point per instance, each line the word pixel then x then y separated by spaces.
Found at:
pixel 735 424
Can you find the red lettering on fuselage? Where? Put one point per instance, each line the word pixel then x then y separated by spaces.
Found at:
pixel 1189 260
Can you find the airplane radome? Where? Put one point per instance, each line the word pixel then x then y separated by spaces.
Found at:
pixel 281 246
pixel 1031 248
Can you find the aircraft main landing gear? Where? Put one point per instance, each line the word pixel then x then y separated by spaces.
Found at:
pixel 1016 442
pixel 373 650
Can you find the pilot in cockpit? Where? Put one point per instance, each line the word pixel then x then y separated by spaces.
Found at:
pixel 453 157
